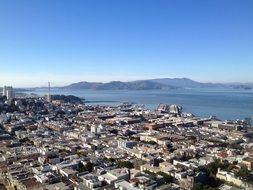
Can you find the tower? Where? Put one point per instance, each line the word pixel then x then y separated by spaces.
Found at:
pixel 49 98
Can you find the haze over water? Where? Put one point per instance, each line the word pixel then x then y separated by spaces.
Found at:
pixel 223 103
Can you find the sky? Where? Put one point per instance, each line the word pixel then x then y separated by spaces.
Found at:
pixel 66 41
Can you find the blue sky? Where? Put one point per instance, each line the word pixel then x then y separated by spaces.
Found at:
pixel 66 41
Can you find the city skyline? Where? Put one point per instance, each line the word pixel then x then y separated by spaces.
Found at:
pixel 67 42
pixel 126 94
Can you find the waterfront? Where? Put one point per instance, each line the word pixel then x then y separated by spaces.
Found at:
pixel 224 103
pixel 59 142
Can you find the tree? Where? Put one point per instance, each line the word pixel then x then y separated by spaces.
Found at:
pixel 168 178
pixel 24 140
pixel 231 167
pixel 83 168
pixel 212 168
pixel 124 164
pixel 89 167
pixel 80 154
pixel 110 159
pixel 197 186
pixel 151 142
pixel 243 172
pixel 152 175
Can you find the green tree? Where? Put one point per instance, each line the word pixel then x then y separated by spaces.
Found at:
pixel 152 175
pixel 168 178
pixel 231 167
pixel 212 168
pixel 243 172
pixel 89 167
pixel 124 164
pixel 80 154
pixel 198 186
pixel 83 168
pixel 111 159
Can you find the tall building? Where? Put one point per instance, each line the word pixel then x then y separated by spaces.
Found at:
pixel 49 97
pixel 8 92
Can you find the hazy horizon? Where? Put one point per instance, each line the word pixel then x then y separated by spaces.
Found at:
pixel 53 84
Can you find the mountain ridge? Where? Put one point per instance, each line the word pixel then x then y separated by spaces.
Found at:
pixel 119 85
pixel 152 84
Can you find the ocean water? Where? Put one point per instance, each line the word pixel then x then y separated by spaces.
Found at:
pixel 223 103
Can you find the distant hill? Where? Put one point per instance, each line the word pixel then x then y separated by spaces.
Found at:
pixel 242 86
pixel 118 85
pixel 84 85
pixel 187 83
pixel 152 84
pixel 67 99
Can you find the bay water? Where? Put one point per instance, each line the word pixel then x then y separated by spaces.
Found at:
pixel 202 102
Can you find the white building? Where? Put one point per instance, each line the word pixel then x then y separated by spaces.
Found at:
pixel 230 177
pixel 114 175
pixel 91 181
pixel 124 185
pixel 8 92
pixel 126 144
pixel 94 129
pixel 97 129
